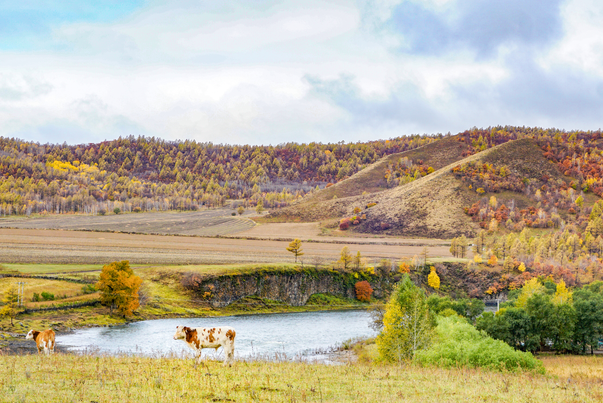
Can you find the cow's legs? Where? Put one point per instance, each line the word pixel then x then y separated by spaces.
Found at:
pixel 228 354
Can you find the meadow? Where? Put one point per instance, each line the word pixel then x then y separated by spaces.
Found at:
pixel 66 378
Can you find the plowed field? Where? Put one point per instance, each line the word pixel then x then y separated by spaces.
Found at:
pixel 60 246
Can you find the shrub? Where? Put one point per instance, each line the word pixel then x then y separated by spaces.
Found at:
pixel 371 205
pixel 363 291
pixel 88 289
pixel 46 296
pixel 344 225
pixel 102 212
pixel 136 209
pixel 36 297
pixel 117 210
pixel 461 344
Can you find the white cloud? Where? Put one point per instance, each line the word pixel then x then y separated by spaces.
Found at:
pixel 229 72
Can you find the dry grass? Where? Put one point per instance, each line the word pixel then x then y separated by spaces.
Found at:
pixel 63 378
pixel 580 368
pixel 34 285
pixel 74 247
pixel 200 223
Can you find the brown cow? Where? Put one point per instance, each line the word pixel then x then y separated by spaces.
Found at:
pixel 208 337
pixel 44 340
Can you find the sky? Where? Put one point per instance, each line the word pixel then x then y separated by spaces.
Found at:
pixel 271 72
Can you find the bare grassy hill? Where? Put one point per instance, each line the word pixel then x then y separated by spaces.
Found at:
pixel 432 206
pixel 371 179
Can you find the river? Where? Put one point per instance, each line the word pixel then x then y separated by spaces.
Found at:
pixel 290 336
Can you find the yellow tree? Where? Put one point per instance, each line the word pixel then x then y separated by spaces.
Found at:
pixel 358 262
pixel 119 287
pixel 11 304
pixel 295 248
pixel 345 258
pixel 433 279
pixel 530 288
pixel 562 295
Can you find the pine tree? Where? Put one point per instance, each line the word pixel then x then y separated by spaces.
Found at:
pixel 345 258
pixel 295 248
pixel 11 304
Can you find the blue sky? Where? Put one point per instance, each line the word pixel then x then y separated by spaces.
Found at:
pixel 269 72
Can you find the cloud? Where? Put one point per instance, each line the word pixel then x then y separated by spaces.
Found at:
pixel 264 72
pixel 17 87
pixel 479 25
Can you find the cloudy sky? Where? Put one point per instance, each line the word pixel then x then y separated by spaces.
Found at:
pixel 269 72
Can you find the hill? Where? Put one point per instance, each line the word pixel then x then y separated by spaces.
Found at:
pixel 432 205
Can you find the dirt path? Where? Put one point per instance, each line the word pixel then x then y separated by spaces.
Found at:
pixel 55 246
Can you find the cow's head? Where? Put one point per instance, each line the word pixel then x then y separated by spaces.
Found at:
pixel 181 332
pixel 31 335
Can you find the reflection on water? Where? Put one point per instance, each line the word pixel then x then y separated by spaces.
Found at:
pixel 282 336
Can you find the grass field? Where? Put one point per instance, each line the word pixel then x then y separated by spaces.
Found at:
pixel 66 378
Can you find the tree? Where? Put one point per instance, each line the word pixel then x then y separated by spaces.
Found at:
pixel 295 248
pixel 119 287
pixel 562 294
pixel 529 289
pixel 357 262
pixel 260 207
pixel 11 304
pixel 117 210
pixel 407 323
pixel 345 258
pixel 240 210
pixel 433 279
pixel 363 291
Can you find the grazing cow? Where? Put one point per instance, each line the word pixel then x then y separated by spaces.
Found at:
pixel 44 340
pixel 208 337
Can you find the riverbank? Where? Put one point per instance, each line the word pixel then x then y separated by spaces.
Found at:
pixel 108 379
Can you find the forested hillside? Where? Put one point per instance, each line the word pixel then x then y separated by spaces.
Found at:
pixel 152 174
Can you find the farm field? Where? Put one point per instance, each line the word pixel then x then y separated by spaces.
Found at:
pixel 77 247
pixel 200 223
pixel 131 378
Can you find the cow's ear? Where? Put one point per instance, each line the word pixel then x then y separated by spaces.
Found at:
pixel 186 329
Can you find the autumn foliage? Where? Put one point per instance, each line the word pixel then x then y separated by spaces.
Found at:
pixel 363 291
pixel 119 287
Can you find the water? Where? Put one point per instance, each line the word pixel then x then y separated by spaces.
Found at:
pixel 306 335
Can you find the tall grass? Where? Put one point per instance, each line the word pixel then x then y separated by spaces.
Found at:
pixel 66 378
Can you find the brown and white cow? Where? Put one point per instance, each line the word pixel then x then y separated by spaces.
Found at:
pixel 44 340
pixel 199 338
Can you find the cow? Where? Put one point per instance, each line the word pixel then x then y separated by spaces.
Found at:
pixel 44 340
pixel 208 337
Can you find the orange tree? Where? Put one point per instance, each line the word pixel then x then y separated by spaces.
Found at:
pixel 119 287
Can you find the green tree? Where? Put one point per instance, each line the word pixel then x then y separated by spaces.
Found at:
pixel 589 319
pixel 117 210
pixel 119 287
pixel 407 323
pixel 295 248
pixel 11 304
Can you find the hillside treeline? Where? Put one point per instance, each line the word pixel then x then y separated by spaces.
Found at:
pixel 140 173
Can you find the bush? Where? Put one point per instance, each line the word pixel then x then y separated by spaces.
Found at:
pixel 461 344
pixel 344 225
pixel 117 210
pixel 136 210
pixel 363 291
pixel 88 289
pixel 36 297
pixel 46 296
pixel 102 212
